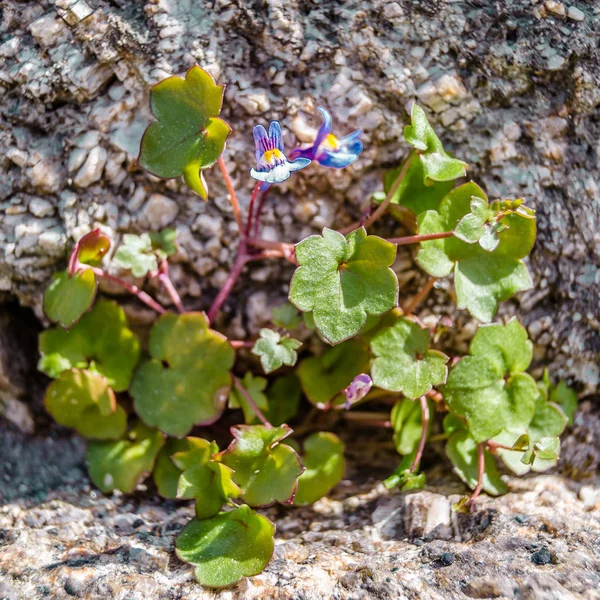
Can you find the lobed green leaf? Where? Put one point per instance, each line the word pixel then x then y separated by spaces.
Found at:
pixel 67 298
pixel 343 280
pixel 275 351
pixel 137 254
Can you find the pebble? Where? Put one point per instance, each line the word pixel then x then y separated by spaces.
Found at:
pixel 41 208
pixel 556 8
pixel 159 211
pixel 575 14
pixel 91 170
pixel 541 557
pixel 47 30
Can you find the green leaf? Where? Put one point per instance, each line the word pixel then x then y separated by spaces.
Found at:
pixel 285 316
pixel 204 479
pixel 487 388
pixel 164 243
pixel 188 135
pixel 166 474
pixel 415 192
pixel 403 361
pixel 342 280
pixel 462 452
pixel 265 469
pixel 479 225
pixel 255 386
pixel 124 464
pixel 483 277
pixel 227 547
pixel 101 342
pixel 186 381
pixel 547 448
pixel 407 422
pixel 566 398
pixel 67 298
pixel 84 400
pixel 438 165
pixel 323 377
pixel 284 399
pixel 404 479
pixel 324 461
pixel 137 254
pixel 275 351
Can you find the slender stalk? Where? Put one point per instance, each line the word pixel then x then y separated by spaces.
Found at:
pixel 250 401
pixel 132 289
pixel 493 446
pixel 237 213
pixel 163 277
pixel 269 245
pixel 424 426
pixel 413 304
pixel 253 198
pixel 416 239
pixel 241 344
pixel 368 418
pixel 238 266
pixel 480 472
pixel 259 211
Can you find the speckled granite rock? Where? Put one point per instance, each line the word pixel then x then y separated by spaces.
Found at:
pixel 513 85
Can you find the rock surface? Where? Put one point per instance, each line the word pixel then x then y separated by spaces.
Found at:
pixel 513 86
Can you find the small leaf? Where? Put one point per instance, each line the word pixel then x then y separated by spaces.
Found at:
pixel 255 386
pixel 188 135
pixel 405 480
pixel 164 242
pixel 343 280
pixel 101 342
pixel 67 298
pixel 566 398
pixel 136 254
pixel 264 468
pixel 204 479
pixel 462 452
pixel 186 381
pixel 325 376
pixel 324 461
pixel 407 422
pixel 483 277
pixel 124 464
pixel 285 316
pixel 438 165
pixel 83 400
pixel 166 474
pixel 227 547
pixel 284 399
pixel 404 362
pixel 488 388
pixel 275 351
pixel 92 247
pixel 547 448
pixel 414 192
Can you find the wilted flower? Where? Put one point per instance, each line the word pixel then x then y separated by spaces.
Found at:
pixel 359 387
pixel 328 150
pixel 272 166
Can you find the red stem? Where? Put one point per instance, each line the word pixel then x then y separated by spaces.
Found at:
pixel 411 306
pixel 237 213
pixel 259 211
pixel 250 401
pixel 132 289
pixel 255 193
pixel 163 277
pixel 238 266
pixel 480 472
pixel 416 239
pixel 424 425
pixel 241 344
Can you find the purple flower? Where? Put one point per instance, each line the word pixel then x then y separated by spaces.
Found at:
pixel 328 150
pixel 358 389
pixel 272 166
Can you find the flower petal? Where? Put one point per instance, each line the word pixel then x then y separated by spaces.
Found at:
pixel 336 160
pixel 324 129
pixel 275 136
pixel 279 173
pixel 298 164
pixel 261 141
pixel 259 175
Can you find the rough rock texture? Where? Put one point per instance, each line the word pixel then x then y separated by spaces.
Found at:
pixel 514 86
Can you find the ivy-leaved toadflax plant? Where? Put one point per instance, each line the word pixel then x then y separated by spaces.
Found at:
pixel 140 405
